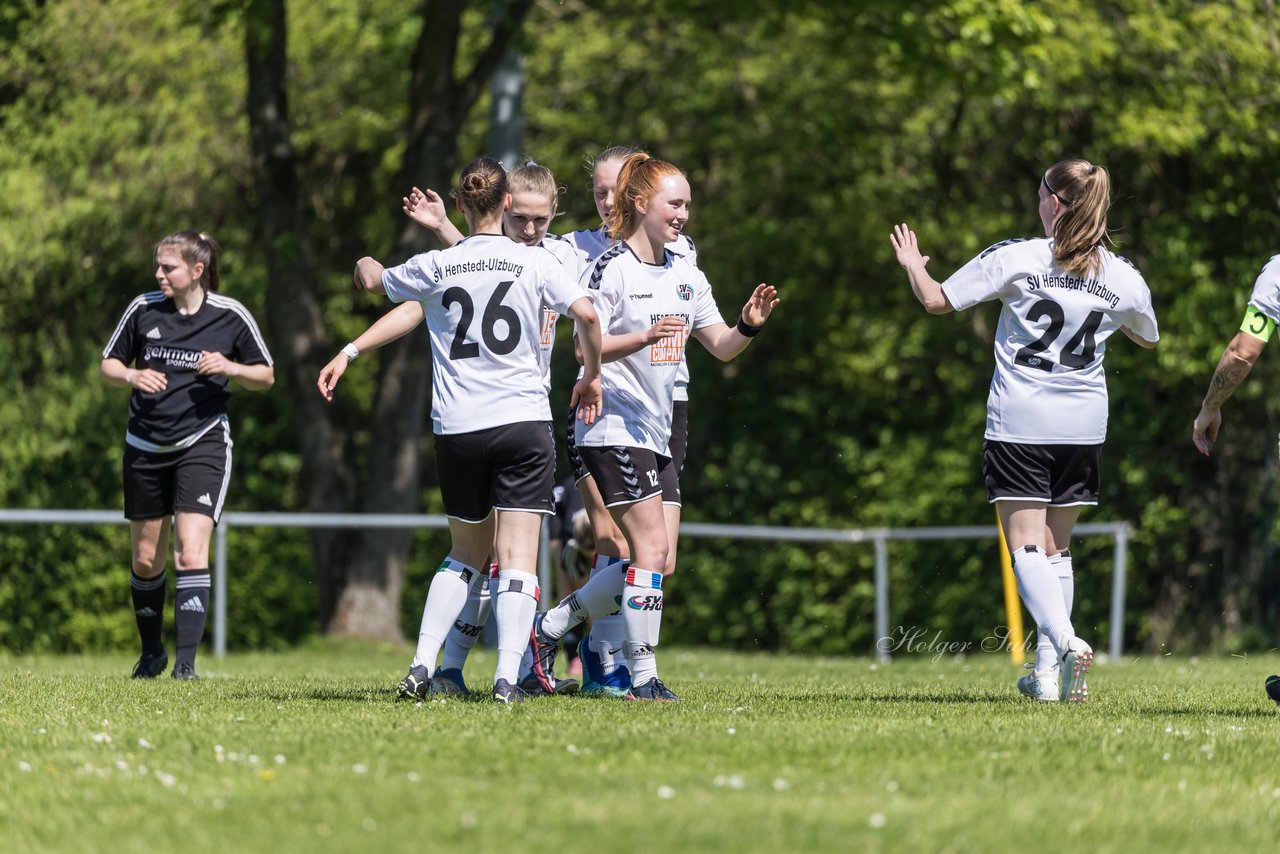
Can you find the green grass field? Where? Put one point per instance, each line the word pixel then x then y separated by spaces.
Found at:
pixel 306 751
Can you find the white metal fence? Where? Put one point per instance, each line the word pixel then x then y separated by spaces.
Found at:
pixel 878 537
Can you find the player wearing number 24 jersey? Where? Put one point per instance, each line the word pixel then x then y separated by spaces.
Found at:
pixel 1064 296
pixel 1049 386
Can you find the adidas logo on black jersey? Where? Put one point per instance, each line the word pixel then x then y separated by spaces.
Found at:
pixel 154 333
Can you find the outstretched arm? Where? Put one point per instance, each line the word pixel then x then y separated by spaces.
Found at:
pixel 426 208
pixel 724 341
pixel 926 288
pixel 1233 367
pixel 396 323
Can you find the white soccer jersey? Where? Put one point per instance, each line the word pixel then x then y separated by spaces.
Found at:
pixel 631 296
pixel 574 260
pixel 1266 290
pixel 483 300
pixel 593 244
pixel 1049 386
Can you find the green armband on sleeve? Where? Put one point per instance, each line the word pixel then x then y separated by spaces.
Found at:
pixel 1257 324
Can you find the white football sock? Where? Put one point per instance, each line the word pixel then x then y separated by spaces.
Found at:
pixel 609 635
pixel 466 629
pixel 1046 655
pixel 1040 590
pixel 608 632
pixel 642 613
pixel 597 596
pixel 517 602
pixel 445 598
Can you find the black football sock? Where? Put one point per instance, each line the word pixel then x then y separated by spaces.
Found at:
pixel 190 607
pixel 148 610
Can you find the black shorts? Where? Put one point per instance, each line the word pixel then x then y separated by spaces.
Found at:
pixel 678 444
pixel 1058 475
pixel 571 447
pixel 679 441
pixel 627 475
pixel 192 480
pixel 512 467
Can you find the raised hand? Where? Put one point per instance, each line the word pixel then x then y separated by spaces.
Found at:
pixel 906 247
pixel 425 207
pixel 763 300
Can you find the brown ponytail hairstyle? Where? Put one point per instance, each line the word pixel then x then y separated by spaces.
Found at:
pixel 482 186
pixel 640 178
pixel 197 248
pixel 1084 189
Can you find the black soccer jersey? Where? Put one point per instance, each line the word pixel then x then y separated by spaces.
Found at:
pixel 153 334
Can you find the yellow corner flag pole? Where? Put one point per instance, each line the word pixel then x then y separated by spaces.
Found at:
pixel 1012 604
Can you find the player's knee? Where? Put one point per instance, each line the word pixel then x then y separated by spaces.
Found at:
pixel 192 558
pixel 145 565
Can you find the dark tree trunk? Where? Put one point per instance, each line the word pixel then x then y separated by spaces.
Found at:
pixel 359 574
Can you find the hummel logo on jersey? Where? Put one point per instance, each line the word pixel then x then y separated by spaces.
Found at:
pixel 154 333
pixel 205 500
pixel 192 604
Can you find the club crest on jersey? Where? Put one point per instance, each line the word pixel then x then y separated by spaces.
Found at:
pixel 685 291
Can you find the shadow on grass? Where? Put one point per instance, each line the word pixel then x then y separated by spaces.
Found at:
pixel 1186 711
pixel 319 694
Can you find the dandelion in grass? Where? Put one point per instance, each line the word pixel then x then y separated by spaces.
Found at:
pixel 666 792
pixel 877 820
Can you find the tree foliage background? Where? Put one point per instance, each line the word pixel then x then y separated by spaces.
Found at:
pixel 807 130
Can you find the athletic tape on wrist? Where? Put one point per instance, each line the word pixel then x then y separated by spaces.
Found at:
pixel 350 351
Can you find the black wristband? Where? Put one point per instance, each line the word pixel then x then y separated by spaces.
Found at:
pixel 747 329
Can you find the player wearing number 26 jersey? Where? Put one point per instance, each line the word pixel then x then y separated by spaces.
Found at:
pixel 475 295
pixel 1049 386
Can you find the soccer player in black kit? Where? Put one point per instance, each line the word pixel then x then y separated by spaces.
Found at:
pixel 178 348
